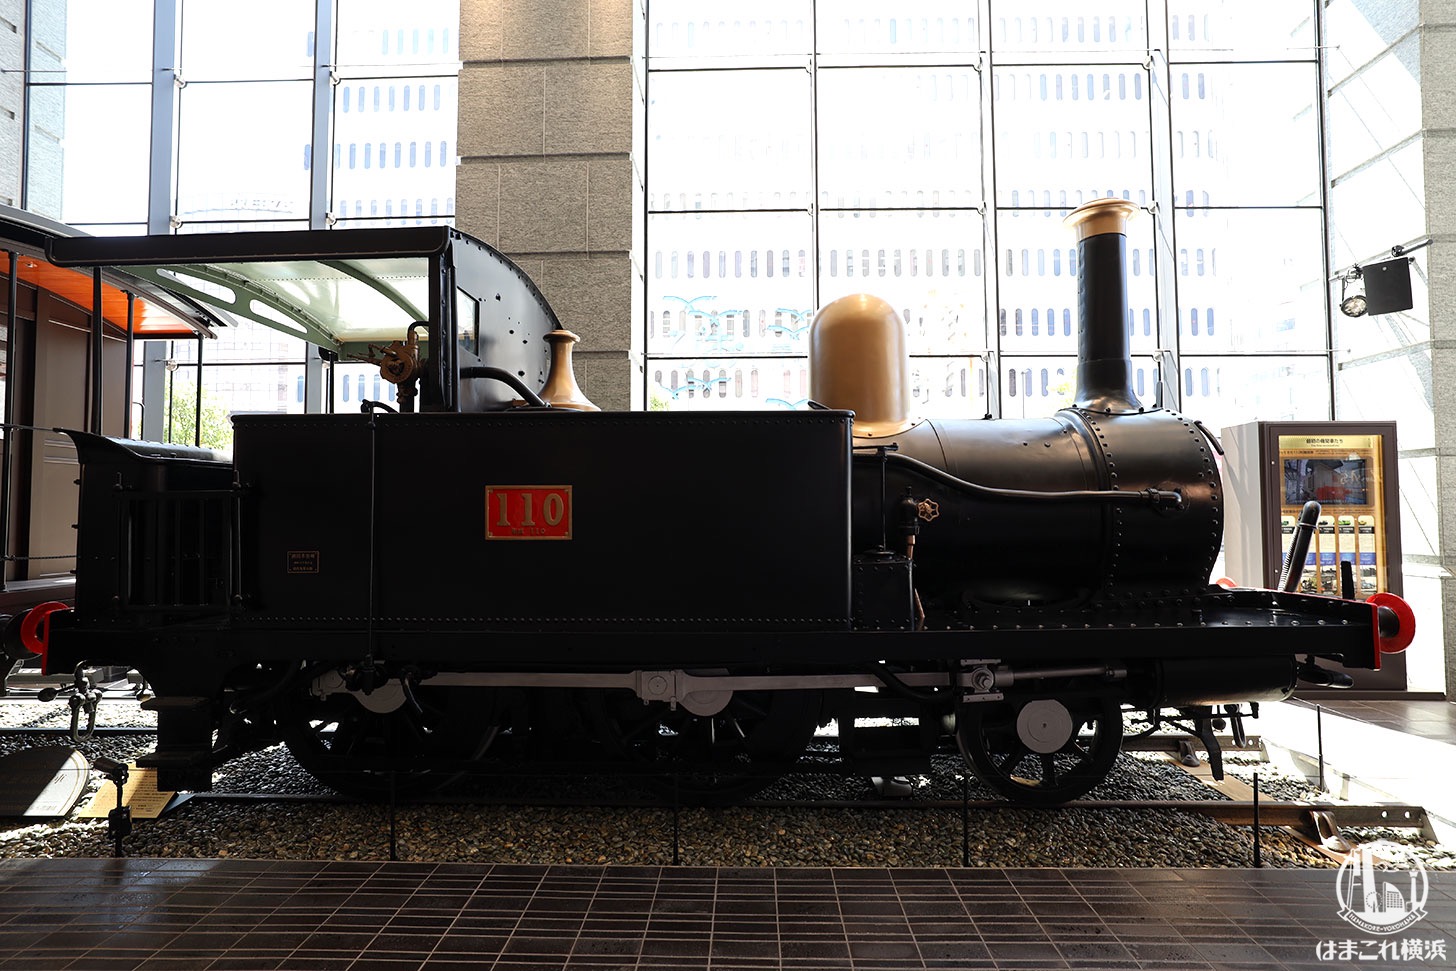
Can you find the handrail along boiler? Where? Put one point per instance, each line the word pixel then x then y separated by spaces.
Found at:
pixel 496 578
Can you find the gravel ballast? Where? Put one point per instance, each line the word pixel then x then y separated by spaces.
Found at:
pixel 917 835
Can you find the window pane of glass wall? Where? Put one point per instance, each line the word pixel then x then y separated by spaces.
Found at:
pixel 379 37
pixel 1059 27
pixel 394 148
pixel 396 221
pixel 747 30
pixel 112 229
pixel 1226 391
pixel 76 41
pixel 1233 122
pixel 1366 32
pixel 897 137
pixel 242 225
pixel 1034 387
pixel 276 388
pixel 1068 134
pixel 730 140
pixel 899 165
pixel 1225 32
pixel 247 343
pixel 948 387
pixel 725 384
pixel 1236 295
pixel 1366 231
pixel 227 390
pixel 1037 263
pixel 354 383
pixel 222 176
pixel 729 284
pixel 930 266
pixel 89 150
pixel 870 27
pixel 1376 111
pixel 266 40
pixel 1406 391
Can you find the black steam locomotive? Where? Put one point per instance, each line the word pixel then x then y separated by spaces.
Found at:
pixel 498 572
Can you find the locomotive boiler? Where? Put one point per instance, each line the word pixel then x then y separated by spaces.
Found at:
pixel 497 578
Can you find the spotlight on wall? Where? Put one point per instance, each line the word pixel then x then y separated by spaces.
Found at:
pixel 1387 285
pixel 1379 288
pixel 1352 293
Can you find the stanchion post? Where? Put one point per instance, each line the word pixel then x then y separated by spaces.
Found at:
pixel 118 821
pixel 393 835
pixel 675 802
pixel 1319 738
pixel 1258 848
pixel 965 820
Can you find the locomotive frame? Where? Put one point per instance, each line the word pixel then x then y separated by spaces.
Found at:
pixel 384 628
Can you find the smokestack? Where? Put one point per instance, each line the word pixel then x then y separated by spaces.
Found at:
pixel 1104 367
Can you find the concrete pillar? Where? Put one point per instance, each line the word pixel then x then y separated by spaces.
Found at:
pixel 551 107
pixel 1438 125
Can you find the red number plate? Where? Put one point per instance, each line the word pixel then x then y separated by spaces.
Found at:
pixel 528 512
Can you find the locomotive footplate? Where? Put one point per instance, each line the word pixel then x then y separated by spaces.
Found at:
pixel 1270 625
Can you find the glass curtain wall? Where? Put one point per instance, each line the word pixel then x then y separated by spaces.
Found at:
pixel 242 110
pixel 802 150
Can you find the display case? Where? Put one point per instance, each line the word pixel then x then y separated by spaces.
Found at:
pixel 1272 469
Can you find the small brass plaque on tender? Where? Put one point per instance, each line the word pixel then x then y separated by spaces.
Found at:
pixel 303 561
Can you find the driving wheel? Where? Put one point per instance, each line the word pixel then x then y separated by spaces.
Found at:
pixel 713 759
pixel 355 749
pixel 1040 751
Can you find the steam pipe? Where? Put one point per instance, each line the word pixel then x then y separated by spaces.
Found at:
pixel 1104 365
pixel 1293 569
pixel 506 377
pixel 1159 498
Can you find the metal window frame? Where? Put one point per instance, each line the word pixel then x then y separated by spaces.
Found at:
pixel 1159 66
pixel 162 171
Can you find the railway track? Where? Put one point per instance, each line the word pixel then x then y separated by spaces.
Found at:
pixel 1306 819
pixel 1307 823
pixel 1231 812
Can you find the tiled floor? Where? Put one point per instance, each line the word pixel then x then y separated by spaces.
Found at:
pixel 1427 719
pixel 120 915
pixel 1397 750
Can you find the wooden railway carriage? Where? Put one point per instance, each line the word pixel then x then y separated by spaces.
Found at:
pixel 61 331
pixel 399 595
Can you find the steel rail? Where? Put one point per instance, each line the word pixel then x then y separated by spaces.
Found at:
pixel 1228 811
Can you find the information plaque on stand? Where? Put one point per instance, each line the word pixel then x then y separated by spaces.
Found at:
pixel 1271 469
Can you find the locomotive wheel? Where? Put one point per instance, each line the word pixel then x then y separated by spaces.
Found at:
pixel 1040 751
pixel 708 760
pixel 352 749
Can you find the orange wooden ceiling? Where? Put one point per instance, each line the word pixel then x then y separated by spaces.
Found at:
pixel 149 319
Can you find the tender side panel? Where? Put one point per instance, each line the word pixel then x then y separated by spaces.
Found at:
pixel 689 521
pixel 305 516
pixel 511 520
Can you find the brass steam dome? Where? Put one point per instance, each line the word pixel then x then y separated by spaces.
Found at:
pixel 858 361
